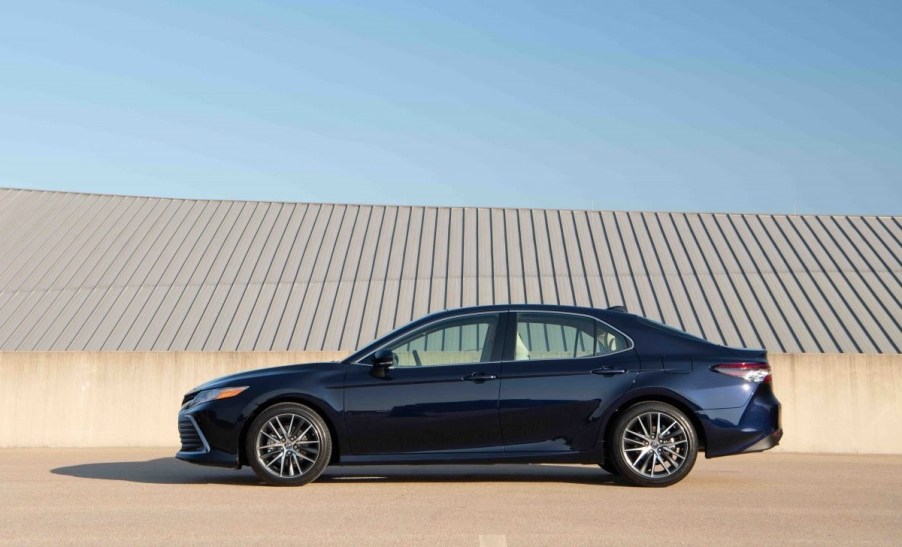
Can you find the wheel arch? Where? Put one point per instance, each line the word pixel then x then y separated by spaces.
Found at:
pixel 298 398
pixel 667 397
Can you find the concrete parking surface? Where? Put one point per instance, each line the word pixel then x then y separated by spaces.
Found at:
pixel 129 496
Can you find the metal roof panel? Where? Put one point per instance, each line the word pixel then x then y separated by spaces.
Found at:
pixel 87 271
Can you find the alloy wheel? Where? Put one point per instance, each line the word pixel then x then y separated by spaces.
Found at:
pixel 655 444
pixel 288 445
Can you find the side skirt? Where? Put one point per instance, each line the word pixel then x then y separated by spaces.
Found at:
pixel 588 457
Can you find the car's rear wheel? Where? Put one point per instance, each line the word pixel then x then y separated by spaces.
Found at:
pixel 654 444
pixel 288 444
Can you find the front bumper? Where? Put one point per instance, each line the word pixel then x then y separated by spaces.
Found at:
pixel 209 432
pixel 191 436
pixel 195 447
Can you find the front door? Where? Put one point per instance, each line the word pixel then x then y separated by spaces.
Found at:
pixel 440 396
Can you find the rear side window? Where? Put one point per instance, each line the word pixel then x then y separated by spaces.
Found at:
pixel 564 336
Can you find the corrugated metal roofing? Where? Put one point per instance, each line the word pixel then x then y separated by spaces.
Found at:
pixel 99 272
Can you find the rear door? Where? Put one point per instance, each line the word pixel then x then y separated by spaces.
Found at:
pixel 560 372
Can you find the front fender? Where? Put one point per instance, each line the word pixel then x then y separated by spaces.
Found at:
pixel 331 412
pixel 224 423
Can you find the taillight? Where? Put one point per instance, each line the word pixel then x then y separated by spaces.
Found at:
pixel 751 372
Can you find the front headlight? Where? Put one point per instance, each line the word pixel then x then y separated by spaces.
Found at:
pixel 216 394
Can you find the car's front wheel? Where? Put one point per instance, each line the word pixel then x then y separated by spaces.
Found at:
pixel 609 466
pixel 654 444
pixel 288 444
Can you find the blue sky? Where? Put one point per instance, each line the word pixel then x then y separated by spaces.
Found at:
pixel 765 106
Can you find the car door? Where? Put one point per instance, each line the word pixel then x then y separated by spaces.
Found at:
pixel 441 394
pixel 560 372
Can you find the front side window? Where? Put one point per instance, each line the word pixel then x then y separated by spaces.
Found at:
pixel 457 341
pixel 564 336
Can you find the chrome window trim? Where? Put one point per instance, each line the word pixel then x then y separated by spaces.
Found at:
pixel 423 327
pixel 200 434
pixel 632 344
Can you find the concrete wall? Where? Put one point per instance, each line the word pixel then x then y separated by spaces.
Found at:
pixel 832 403
pixel 843 403
pixel 80 399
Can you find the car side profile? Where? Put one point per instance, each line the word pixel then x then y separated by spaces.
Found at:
pixel 491 384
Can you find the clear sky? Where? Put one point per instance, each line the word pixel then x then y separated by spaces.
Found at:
pixel 762 106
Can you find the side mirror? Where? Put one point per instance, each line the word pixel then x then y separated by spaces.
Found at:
pixel 384 358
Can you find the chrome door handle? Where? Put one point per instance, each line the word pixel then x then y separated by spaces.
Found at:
pixel 479 377
pixel 604 371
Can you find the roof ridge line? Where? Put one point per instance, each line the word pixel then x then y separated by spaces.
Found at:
pixel 487 207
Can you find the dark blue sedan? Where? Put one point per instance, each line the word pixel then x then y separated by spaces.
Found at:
pixel 490 384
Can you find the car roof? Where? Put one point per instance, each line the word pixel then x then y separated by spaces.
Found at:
pixel 528 307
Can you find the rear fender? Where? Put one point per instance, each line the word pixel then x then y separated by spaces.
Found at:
pixel 648 393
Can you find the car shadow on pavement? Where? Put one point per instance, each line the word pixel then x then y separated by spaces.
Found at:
pixel 172 471
pixel 158 471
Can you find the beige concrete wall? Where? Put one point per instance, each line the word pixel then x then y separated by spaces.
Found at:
pixel 111 398
pixel 831 403
pixel 840 403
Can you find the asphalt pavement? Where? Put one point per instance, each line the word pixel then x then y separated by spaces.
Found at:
pixel 145 496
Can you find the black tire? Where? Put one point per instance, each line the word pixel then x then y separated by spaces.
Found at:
pixel 609 466
pixel 288 444
pixel 658 455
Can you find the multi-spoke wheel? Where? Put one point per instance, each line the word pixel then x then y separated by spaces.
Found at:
pixel 288 444
pixel 654 444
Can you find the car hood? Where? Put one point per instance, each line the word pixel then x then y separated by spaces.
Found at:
pixel 248 376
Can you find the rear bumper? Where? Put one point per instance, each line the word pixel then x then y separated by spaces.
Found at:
pixel 752 428
pixel 766 443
